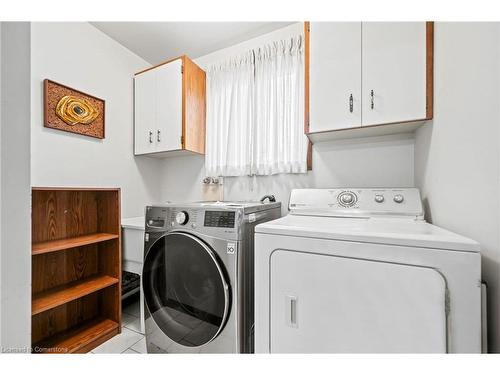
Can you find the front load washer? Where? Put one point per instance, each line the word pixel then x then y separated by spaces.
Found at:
pixel 360 271
pixel 198 275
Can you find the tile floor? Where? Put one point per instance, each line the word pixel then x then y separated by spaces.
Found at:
pixel 131 340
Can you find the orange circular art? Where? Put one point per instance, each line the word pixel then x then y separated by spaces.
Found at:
pixel 73 110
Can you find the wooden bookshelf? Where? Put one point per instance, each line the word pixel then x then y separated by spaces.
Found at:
pixel 76 268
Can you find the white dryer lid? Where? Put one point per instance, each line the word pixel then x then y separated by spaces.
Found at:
pixel 393 231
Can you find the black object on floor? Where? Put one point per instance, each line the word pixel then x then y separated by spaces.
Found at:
pixel 130 283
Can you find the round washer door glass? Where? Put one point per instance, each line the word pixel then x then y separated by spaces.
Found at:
pixel 185 289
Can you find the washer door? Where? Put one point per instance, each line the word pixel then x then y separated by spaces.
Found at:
pixel 185 289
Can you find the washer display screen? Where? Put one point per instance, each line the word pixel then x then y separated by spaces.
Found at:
pixel 221 219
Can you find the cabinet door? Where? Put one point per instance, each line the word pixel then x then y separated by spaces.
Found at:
pixel 328 304
pixel 394 72
pixel 169 106
pixel 144 112
pixel 334 75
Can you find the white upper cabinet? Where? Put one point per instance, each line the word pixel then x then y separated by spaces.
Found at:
pixel 362 75
pixel 145 112
pixel 169 102
pixel 335 75
pixel 394 72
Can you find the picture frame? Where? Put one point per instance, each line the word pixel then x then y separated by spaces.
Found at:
pixel 74 111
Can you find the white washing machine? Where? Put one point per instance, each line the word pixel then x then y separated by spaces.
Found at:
pixel 360 271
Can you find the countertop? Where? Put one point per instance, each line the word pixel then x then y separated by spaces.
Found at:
pixel 134 223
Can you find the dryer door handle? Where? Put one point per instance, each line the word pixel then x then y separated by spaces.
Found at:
pixel 291 311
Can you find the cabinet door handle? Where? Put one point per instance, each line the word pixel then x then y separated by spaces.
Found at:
pixel 372 105
pixel 158 136
pixel 150 136
pixel 351 104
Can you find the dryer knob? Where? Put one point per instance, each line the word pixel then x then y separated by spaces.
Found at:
pixel 347 199
pixel 398 198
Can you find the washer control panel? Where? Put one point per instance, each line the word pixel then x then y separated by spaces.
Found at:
pixel 219 219
pixel 229 221
pixel 204 219
pixel 356 202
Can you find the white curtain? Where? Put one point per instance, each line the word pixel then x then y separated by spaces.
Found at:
pixel 255 113
pixel 230 102
pixel 280 145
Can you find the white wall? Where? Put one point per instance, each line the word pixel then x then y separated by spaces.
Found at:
pixel 385 161
pixel 220 55
pixel 1 105
pixel 15 193
pixel 456 157
pixel 82 57
pixel 370 162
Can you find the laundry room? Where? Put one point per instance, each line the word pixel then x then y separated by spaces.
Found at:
pixel 311 184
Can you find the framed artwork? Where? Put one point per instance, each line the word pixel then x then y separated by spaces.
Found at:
pixel 72 111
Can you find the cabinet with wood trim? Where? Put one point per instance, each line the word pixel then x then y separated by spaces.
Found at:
pixel 76 268
pixel 169 109
pixel 367 78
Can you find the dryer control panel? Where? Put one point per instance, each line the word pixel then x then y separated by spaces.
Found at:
pixel 357 202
